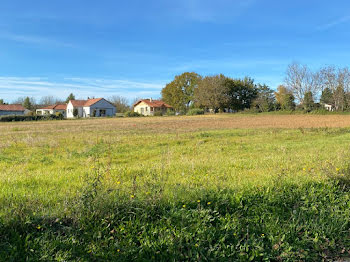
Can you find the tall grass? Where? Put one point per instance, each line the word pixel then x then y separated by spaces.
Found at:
pixel 149 190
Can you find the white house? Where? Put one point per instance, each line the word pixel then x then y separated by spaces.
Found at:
pixel 97 107
pixel 13 110
pixel 329 107
pixel 148 107
pixel 53 109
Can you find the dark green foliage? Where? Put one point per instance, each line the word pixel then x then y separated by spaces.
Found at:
pixel 15 118
pixel 132 114
pixel 158 113
pixel 179 93
pixel 327 96
pixel 283 222
pixel 2 102
pixel 195 111
pixel 288 102
pixel 241 93
pixel 265 100
pixel 27 103
pixel 76 112
pixel 70 97
pixel 308 102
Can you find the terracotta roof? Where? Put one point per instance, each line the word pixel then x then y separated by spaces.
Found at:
pixel 12 108
pixel 153 103
pixel 56 106
pixel 81 103
pixel 78 103
pixel 90 102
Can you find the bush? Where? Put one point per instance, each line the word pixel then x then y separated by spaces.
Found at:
pixel 170 113
pixel 16 118
pixel 132 114
pixel 195 111
pixel 158 113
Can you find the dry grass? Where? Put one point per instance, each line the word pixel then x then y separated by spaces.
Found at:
pixel 178 124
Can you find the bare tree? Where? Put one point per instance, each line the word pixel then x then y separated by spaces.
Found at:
pixel 300 80
pixel 338 81
pixel 121 103
pixel 48 100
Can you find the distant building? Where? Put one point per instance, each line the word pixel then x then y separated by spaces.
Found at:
pixel 98 107
pixel 13 110
pixel 53 109
pixel 329 107
pixel 148 107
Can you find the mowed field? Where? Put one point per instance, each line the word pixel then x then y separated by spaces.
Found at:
pixel 214 187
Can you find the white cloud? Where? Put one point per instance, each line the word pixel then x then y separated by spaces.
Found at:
pixel 334 23
pixel 32 39
pixel 37 87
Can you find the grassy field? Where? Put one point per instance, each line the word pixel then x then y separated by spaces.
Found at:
pixel 223 188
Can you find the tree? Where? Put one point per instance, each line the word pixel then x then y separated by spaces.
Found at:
pixel 288 102
pixel 300 80
pixel 327 96
pixel 265 100
pixel 121 103
pixel 2 102
pixel 241 93
pixel 338 82
pixel 70 97
pixel 180 92
pixel 212 93
pixel 308 102
pixel 27 103
pixel 285 98
pixel 48 100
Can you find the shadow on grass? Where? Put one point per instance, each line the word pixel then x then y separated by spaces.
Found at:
pixel 284 222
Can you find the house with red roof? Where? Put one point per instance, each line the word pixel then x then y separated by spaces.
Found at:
pixel 148 107
pixel 53 109
pixel 13 110
pixel 97 107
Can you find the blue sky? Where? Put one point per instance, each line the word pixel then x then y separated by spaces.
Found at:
pixel 133 48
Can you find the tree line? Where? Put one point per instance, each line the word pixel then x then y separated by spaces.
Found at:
pixel 303 89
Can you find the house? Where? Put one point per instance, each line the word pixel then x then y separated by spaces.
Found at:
pixel 97 107
pixel 53 109
pixel 148 107
pixel 13 110
pixel 329 107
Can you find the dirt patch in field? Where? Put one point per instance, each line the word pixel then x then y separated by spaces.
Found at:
pixel 178 124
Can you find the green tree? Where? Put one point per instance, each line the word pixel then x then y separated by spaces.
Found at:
pixel 70 97
pixel 27 103
pixel 288 102
pixel 327 96
pixel 179 93
pixel 308 102
pixel 241 93
pixel 285 98
pixel 212 93
pixel 2 102
pixel 265 100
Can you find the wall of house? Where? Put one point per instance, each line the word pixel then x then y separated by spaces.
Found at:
pixel 143 109
pixel 103 105
pixel 70 110
pixel 7 113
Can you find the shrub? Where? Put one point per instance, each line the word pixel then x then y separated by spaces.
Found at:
pixel 170 113
pixel 195 111
pixel 15 118
pixel 158 113
pixel 132 114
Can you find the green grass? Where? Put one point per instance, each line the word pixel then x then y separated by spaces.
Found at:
pixel 132 194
